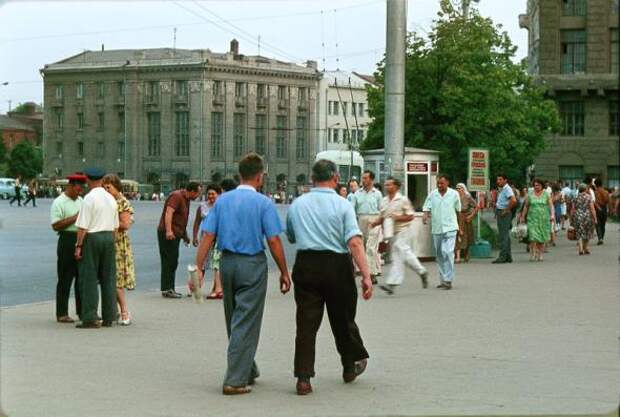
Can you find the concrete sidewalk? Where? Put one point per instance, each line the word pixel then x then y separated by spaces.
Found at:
pixel 515 339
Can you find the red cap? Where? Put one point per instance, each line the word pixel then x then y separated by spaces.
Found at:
pixel 76 178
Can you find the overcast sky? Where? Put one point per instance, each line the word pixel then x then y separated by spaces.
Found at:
pixel 344 34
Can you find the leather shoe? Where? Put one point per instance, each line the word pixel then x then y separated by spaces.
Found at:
pixel 106 323
pixel 65 319
pixel 171 294
pixel 230 390
pixel 446 286
pixel 500 261
pixel 358 368
pixel 303 386
pixel 388 288
pixel 88 325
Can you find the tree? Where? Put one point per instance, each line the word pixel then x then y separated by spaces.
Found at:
pixel 2 151
pixel 464 90
pixel 25 160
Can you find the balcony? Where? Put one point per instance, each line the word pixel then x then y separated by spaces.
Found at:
pixel 303 105
pixel 282 104
pixel 218 99
pixel 262 102
pixel 240 101
pixel 181 98
pixel 152 100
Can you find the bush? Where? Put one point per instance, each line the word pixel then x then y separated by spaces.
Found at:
pixel 489 234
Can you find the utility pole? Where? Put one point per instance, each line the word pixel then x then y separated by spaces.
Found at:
pixel 394 131
pixel 465 7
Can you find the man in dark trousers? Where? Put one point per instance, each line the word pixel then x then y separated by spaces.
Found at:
pixel 323 226
pixel 241 220
pixel 64 213
pixel 506 200
pixel 18 192
pixel 171 230
pixel 95 252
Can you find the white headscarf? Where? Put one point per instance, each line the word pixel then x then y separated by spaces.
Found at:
pixel 464 187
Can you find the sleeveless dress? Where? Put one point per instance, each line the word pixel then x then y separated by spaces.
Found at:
pixel 538 218
pixel 125 272
pixel 584 225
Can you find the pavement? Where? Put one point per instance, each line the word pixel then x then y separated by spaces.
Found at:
pixel 515 339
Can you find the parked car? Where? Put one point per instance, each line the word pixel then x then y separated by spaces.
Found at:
pixel 7 188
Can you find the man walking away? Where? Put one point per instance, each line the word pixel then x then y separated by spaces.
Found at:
pixel 32 193
pixel 367 204
pixel 398 208
pixel 506 200
pixel 323 226
pixel 600 204
pixel 94 250
pixel 241 220
pixel 64 213
pixel 443 205
pixel 171 230
pixel 18 192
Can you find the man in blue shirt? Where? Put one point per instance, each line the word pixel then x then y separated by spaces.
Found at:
pixel 241 220
pixel 506 200
pixel 323 226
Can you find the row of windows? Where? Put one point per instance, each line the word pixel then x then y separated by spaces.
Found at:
pixel 572 118
pixel 99 150
pixel 334 108
pixel 580 7
pixel 59 120
pixel 573 52
pixel 574 173
pixel 335 135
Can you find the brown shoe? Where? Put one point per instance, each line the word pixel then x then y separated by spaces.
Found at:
pixel 65 319
pixel 358 369
pixel 89 325
pixel 303 386
pixel 230 390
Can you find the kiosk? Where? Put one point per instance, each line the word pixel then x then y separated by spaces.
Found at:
pixel 421 167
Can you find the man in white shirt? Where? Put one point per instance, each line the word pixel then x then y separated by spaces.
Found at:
pixel 94 250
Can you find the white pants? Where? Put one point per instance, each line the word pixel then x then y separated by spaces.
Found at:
pixel 403 255
pixel 371 242
pixel 444 252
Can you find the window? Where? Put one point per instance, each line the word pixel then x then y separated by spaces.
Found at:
pixel 80 120
pixel 120 88
pixel 121 121
pixel 353 109
pixel 260 90
pixel 59 149
pixel 335 108
pixel 239 89
pixel 573 51
pixel 120 150
pixel 571 174
pixel 261 130
pixel 154 134
pixel 613 176
pixel 60 119
pixel 100 121
pixel 329 135
pixel 100 150
pixel 354 137
pixel 281 136
pixel 614 45
pixel 181 88
pixel 217 130
pixel 574 7
pixel 344 108
pixel 302 144
pixel 360 111
pixel 615 6
pixel 79 90
pixel 614 118
pixel 238 134
pixel 217 88
pixel 335 137
pixel 303 94
pixel 345 136
pixel 59 91
pixel 360 136
pixel 181 133
pixel 153 91
pixel 80 149
pixel 100 89
pixel 281 92
pixel 572 118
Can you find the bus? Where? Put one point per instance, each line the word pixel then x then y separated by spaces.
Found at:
pixel 347 162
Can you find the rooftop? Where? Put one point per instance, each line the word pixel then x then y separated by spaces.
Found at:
pixel 7 122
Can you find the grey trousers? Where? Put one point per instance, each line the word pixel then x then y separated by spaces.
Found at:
pixel 244 281
pixel 504 224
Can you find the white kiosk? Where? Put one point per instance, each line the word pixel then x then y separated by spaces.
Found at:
pixel 421 167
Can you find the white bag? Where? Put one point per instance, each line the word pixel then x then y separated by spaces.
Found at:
pixel 519 231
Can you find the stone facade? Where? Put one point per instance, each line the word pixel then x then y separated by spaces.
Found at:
pixel 573 53
pixel 165 116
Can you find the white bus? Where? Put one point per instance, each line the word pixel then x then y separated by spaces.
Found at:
pixel 347 162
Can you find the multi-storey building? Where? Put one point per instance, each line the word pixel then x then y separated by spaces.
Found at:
pixel 165 116
pixel 342 109
pixel 573 52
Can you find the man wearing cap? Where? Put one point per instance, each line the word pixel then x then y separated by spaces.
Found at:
pixel 64 213
pixel 94 249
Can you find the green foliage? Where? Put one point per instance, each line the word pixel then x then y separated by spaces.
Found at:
pixel 2 151
pixel 25 160
pixel 489 234
pixel 463 90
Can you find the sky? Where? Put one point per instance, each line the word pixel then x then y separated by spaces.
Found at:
pixel 338 34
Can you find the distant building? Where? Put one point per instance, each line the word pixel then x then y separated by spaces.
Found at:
pixel 573 53
pixel 31 115
pixel 342 109
pixel 13 132
pixel 165 116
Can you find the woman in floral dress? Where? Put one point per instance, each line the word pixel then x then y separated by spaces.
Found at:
pixel 584 219
pixel 538 211
pixel 466 226
pixel 125 272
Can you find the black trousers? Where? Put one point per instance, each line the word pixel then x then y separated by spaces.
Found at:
pixel 601 220
pixel 169 258
pixel 31 197
pixel 18 197
pixel 324 278
pixel 67 270
pixel 504 224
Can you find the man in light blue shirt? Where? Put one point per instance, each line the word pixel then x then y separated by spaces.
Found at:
pixel 506 200
pixel 442 205
pixel 323 226
pixel 241 220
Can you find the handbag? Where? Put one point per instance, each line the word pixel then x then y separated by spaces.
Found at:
pixel 519 231
pixel 571 233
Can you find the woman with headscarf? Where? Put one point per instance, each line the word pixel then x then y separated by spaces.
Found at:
pixel 469 209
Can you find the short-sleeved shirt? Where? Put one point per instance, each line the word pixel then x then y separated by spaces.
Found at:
pixel 321 220
pixel 241 219
pixel 99 212
pixel 398 206
pixel 504 197
pixel 180 204
pixel 205 208
pixel 367 202
pixel 64 207
pixel 443 210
